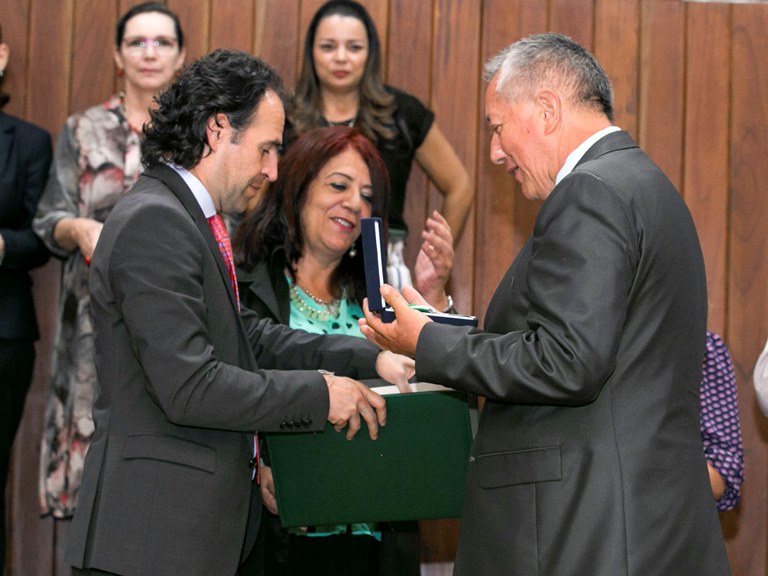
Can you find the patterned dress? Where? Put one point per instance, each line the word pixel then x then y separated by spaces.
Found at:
pixel 720 428
pixel 97 159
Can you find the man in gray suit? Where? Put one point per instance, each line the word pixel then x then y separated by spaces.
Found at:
pixel 588 458
pixel 182 384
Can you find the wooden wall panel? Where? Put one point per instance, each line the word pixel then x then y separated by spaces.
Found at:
pixel 691 84
pixel 277 37
pixel 232 25
pixel 15 21
pixel 616 46
pixel 706 144
pixel 457 72
pixel 194 16
pixel 410 36
pixel 747 322
pixel 93 74
pixel 661 90
pixel 49 71
pixel 573 18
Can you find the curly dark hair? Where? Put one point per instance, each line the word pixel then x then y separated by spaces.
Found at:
pixel 274 227
pixel 227 82
pixel 376 117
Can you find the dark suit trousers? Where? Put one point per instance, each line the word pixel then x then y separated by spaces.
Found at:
pixel 17 359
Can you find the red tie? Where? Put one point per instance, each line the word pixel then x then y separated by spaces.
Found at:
pixel 222 237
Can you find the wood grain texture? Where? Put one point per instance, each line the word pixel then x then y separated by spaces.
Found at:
pixel 456 70
pixel 706 144
pixel 747 274
pixel 691 84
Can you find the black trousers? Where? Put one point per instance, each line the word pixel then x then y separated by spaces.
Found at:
pixel 17 360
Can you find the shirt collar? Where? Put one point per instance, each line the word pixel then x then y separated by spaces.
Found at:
pixel 199 191
pixel 581 149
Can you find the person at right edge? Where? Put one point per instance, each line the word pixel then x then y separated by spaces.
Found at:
pixel 588 458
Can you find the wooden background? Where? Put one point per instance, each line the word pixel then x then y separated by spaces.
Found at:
pixel 691 84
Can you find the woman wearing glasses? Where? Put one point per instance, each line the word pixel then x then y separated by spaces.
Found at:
pixel 96 161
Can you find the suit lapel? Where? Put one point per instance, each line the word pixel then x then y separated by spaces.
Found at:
pixel 180 189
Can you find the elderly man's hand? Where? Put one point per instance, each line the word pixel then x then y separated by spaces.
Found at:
pixel 402 335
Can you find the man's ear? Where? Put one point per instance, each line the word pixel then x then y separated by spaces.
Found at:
pixel 217 129
pixel 549 106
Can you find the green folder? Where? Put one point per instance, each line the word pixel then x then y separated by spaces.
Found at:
pixel 414 470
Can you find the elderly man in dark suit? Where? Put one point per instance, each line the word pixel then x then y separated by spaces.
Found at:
pixel 25 156
pixel 182 385
pixel 588 458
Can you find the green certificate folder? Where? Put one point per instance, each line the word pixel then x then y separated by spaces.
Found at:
pixel 414 470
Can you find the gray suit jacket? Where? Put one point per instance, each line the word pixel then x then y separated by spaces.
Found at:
pixel 181 388
pixel 588 458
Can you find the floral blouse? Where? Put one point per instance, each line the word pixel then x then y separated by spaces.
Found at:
pixel 96 160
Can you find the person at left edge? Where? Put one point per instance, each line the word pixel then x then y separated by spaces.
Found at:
pixel 25 156
pixel 183 376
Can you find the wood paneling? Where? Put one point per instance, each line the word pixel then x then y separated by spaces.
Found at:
pixel 456 70
pixel 661 86
pixel 747 274
pixel 690 82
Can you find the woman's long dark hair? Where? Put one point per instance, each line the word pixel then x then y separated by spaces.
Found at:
pixel 274 227
pixel 375 117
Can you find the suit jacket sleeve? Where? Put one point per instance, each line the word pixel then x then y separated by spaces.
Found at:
pixel 275 345
pixel 170 300
pixel 61 195
pixel 578 278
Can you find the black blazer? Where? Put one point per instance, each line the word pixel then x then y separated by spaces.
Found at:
pixel 25 157
pixel 588 456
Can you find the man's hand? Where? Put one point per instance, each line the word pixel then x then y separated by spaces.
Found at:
pixel 402 335
pixel 267 486
pixel 396 369
pixel 349 401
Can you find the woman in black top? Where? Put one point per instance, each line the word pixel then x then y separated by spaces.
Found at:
pixel 340 83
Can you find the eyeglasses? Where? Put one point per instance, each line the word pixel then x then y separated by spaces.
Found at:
pixel 161 45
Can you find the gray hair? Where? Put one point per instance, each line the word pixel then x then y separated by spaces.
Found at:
pixel 555 61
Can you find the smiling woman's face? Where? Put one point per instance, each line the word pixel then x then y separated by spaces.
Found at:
pixel 337 199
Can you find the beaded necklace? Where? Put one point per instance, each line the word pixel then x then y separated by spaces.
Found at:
pixel 313 307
